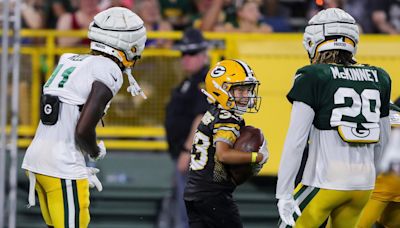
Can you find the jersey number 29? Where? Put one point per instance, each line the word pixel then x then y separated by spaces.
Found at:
pixel 361 104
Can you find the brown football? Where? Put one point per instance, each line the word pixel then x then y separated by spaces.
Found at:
pixel 250 140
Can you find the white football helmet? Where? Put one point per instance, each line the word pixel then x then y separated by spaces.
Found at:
pixel 331 29
pixel 118 32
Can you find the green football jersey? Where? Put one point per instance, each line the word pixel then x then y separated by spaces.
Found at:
pixel 355 96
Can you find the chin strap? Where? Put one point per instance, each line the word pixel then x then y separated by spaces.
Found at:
pixel 133 87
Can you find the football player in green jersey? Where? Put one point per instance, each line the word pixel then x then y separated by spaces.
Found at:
pixel 232 89
pixel 341 108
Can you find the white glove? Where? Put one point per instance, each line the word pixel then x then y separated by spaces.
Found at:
pixel 102 152
pixel 92 178
pixel 133 87
pixel 286 208
pixel 264 151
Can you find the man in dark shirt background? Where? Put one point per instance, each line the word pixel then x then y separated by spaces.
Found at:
pixel 184 113
pixel 386 16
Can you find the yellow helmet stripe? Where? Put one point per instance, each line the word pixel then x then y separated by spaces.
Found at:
pixel 345 39
pixel 245 67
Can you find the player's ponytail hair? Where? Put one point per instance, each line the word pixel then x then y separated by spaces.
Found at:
pixel 335 56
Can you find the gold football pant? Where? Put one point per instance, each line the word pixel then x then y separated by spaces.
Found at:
pixel 64 203
pixel 343 208
pixel 386 213
pixel 384 205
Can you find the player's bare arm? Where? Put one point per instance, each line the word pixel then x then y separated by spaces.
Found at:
pixel 227 155
pixel 85 132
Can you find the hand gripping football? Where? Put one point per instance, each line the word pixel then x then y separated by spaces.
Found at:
pixel 250 140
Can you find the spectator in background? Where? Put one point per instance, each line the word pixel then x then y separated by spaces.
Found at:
pixel 149 11
pixel 31 18
pixel 314 8
pixel 184 112
pixel 77 20
pixel 386 16
pixel 105 4
pixel 361 11
pixel 177 12
pixel 276 15
pixel 213 14
pixel 54 9
pixel 249 19
pixel 202 7
pixel 32 14
pixel 358 9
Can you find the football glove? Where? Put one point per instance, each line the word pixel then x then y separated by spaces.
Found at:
pixel 102 152
pixel 256 168
pixel 264 151
pixel 286 208
pixel 92 178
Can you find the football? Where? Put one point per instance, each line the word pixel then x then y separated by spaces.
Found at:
pixel 250 140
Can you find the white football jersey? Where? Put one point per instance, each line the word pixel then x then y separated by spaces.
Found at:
pixel 53 151
pixel 338 165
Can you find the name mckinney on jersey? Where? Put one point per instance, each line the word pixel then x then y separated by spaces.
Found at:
pixel 355 74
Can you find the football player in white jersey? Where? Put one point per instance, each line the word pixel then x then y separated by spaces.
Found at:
pixel 74 99
pixel 341 109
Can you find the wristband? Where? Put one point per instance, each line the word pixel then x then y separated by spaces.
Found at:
pixel 254 157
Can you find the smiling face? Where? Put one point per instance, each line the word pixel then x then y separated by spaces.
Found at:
pixel 242 94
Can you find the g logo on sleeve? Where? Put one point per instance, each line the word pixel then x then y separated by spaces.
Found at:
pixel 218 71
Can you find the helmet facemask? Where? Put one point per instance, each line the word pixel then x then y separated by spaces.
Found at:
pixel 232 85
pixel 243 97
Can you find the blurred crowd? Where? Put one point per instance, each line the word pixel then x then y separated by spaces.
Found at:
pixel 261 16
